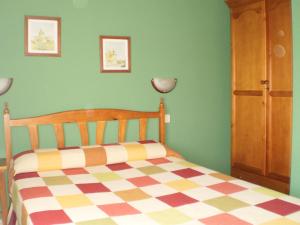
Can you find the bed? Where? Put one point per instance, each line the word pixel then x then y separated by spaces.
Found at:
pixel 140 182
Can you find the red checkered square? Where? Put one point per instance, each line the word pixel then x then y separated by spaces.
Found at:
pixel 187 173
pixel 279 206
pixel 143 181
pixel 223 219
pixel 227 188
pixel 118 166
pixel 26 175
pixel 177 199
pixel 158 161
pixel 50 217
pixel 92 188
pixel 35 192
pixel 119 209
pixel 75 171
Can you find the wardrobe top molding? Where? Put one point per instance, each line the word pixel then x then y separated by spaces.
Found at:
pixel 238 3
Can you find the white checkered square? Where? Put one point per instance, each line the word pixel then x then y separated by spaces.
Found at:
pixel 41 204
pixel 118 185
pixel 158 190
pixel 149 205
pixel 60 190
pixel 254 215
pixel 104 198
pixel 30 182
pixel 85 213
pixel 83 178
pixel 116 154
pixel 165 177
pixel 202 193
pixel 206 180
pixel 251 197
pixel 72 158
pixel 129 173
pixel 199 210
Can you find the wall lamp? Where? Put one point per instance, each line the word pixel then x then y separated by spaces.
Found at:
pixel 5 84
pixel 164 85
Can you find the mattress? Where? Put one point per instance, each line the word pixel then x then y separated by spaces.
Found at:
pixel 145 190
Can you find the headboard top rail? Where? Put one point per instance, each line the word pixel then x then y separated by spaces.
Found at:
pixel 83 115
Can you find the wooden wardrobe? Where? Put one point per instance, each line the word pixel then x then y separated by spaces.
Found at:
pixel 261 44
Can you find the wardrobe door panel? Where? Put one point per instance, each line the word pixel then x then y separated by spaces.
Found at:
pixel 280 90
pixel 261 44
pixel 249 141
pixel 279 156
pixel 249 57
pixel 249 47
pixel 280 45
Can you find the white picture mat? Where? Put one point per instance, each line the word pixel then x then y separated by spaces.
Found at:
pixel 120 48
pixel 49 27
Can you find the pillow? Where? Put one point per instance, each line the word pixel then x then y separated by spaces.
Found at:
pixel 75 157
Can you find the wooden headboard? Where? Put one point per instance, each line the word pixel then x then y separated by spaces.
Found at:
pixel 82 117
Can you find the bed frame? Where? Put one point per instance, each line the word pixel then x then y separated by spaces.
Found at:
pixel 82 117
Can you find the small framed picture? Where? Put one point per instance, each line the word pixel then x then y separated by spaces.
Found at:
pixel 115 54
pixel 42 36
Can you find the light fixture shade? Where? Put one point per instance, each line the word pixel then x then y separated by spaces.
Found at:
pixel 5 84
pixel 164 85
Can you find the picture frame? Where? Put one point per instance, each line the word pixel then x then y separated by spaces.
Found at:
pixel 115 54
pixel 42 36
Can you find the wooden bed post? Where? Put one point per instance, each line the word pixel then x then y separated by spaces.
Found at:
pixel 162 129
pixel 7 134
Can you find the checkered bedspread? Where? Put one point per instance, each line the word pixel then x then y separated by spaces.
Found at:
pixel 162 191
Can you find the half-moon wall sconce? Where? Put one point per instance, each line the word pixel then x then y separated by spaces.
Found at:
pixel 164 85
pixel 5 84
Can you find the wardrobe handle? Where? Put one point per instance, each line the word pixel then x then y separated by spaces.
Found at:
pixel 265 82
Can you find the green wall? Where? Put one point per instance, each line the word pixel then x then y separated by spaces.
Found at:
pixel 188 40
pixel 295 179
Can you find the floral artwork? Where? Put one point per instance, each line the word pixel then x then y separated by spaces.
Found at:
pixel 115 54
pixel 42 36
pixel 42 42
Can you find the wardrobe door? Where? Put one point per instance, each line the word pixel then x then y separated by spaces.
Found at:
pixel 248 24
pixel 280 90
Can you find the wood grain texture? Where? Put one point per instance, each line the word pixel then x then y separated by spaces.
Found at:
pixel 162 128
pixel 249 55
pixel 248 93
pixel 83 115
pixel 280 95
pixel 143 129
pixel 261 91
pixel 59 134
pixel 84 133
pixel 7 134
pixel 122 130
pixel 249 142
pixel 81 118
pixel 34 136
pixel 3 198
pixel 275 184
pixel 100 132
pixel 239 3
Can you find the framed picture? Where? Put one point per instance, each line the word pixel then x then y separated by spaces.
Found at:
pixel 114 54
pixel 42 36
